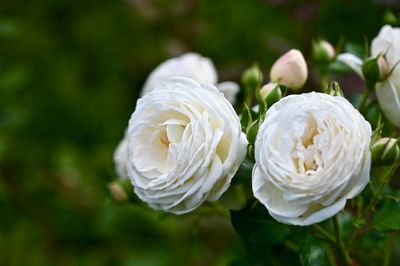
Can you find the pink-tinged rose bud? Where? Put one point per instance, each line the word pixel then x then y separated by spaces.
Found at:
pixel 271 93
pixel 383 67
pixel 328 48
pixel 266 89
pixel 290 70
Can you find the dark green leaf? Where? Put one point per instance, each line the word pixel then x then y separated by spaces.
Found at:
pixel 387 217
pixel 246 118
pixel 244 172
pixel 252 131
pixel 257 227
pixel 312 252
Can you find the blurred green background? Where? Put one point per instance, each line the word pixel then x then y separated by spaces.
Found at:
pixel 70 74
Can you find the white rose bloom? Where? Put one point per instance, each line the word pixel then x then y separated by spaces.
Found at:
pixel 184 145
pixel 312 154
pixel 387 44
pixel 189 65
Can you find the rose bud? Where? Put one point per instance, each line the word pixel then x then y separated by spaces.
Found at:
pixel 334 89
pixel 252 77
pixel 271 93
pixel 383 67
pixel 323 51
pixel 118 192
pixel 385 151
pixel 290 70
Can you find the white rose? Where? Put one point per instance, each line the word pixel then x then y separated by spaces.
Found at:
pixel 184 145
pixel 190 65
pixel 312 154
pixel 290 70
pixel 386 44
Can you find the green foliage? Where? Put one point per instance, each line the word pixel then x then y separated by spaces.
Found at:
pixel 262 236
pixel 387 217
pixel 313 252
pixel 246 119
pixel 269 242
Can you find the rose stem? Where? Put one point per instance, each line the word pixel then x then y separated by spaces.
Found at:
pixel 364 100
pixel 323 232
pixel 339 242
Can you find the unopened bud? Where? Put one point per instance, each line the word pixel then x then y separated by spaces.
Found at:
pixel 383 67
pixel 385 151
pixel 118 192
pixel 271 93
pixel 371 71
pixel 323 51
pixel 290 70
pixel 334 89
pixel 252 77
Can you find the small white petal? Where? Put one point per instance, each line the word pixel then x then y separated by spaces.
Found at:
pixel 389 99
pixel 230 90
pixel 352 61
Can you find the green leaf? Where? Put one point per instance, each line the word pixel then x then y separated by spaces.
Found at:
pixel 387 217
pixel 355 48
pixel 244 172
pixel 390 18
pixel 274 96
pixel 377 133
pixel 246 118
pixel 252 130
pixel 257 228
pixel 312 252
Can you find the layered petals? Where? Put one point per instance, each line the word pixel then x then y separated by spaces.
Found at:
pixel 312 154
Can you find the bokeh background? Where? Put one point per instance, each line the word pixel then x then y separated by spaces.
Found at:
pixel 70 74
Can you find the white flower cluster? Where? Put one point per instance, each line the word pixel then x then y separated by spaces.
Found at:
pixel 184 143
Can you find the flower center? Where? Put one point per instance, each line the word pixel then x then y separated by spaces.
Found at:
pixel 164 138
pixel 306 155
